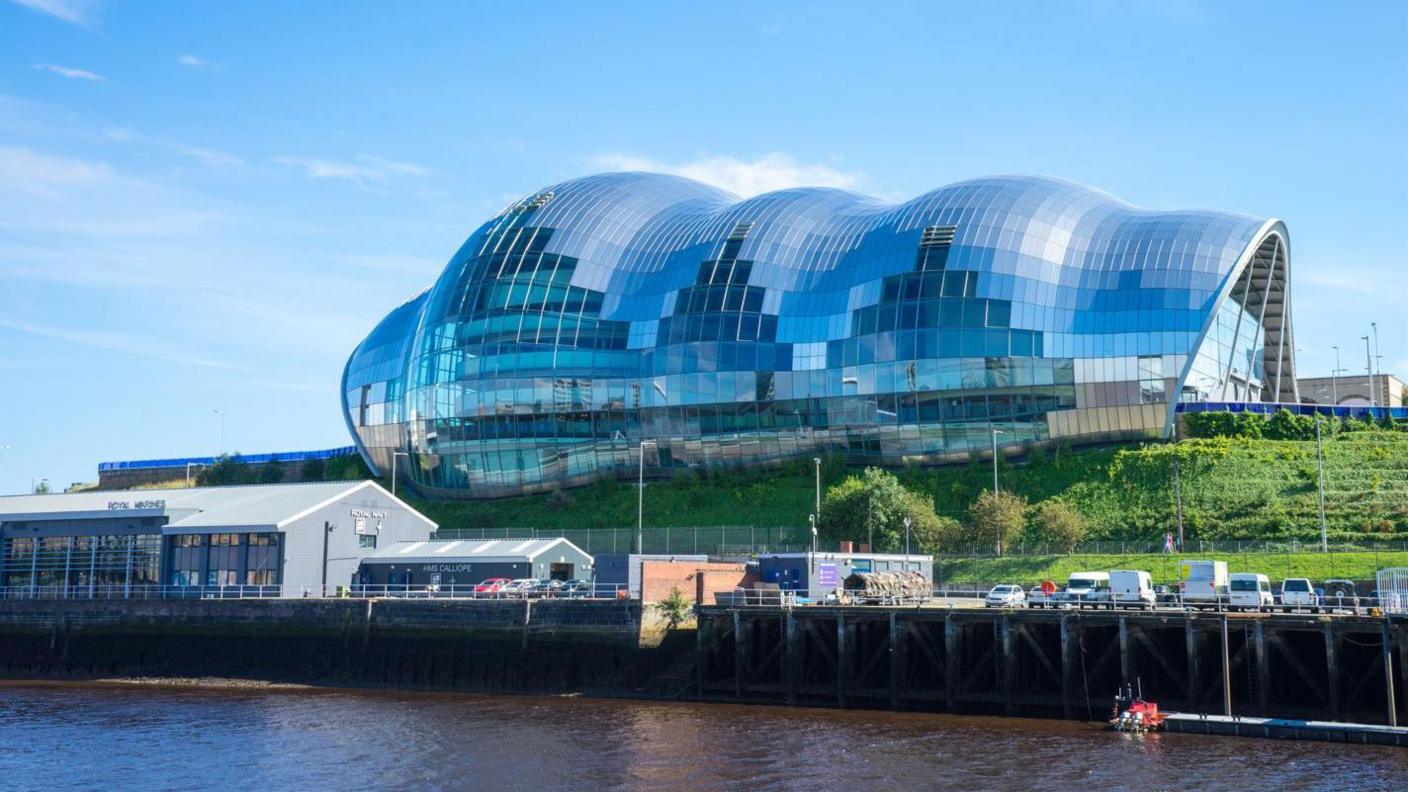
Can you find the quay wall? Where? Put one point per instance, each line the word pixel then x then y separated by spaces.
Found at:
pixel 546 646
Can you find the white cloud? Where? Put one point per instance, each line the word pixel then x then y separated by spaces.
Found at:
pixel 32 172
pixel 771 171
pixel 146 346
pixel 74 11
pixel 65 71
pixel 192 61
pixel 211 157
pixel 361 170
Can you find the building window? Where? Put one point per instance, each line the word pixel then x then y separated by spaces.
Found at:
pixel 186 556
pixel 262 561
pixel 1151 379
pixel 366 541
pixel 224 568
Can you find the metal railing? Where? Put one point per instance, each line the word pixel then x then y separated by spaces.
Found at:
pixel 970 597
pixel 429 591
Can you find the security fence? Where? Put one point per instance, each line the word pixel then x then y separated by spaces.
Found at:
pixel 745 540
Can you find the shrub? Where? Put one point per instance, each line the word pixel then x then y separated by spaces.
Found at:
pixel 312 470
pixel 675 607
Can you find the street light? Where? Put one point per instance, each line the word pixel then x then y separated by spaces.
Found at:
pixel 640 498
pixel 1378 363
pixel 221 449
pixel 1369 367
pixel 395 454
pixel 817 514
pixel 995 433
pixel 1320 466
pixel 1335 379
pixel 907 522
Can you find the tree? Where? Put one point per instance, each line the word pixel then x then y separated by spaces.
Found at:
pixel 1054 521
pixel 312 470
pixel 42 488
pixel 226 469
pixel 271 473
pixel 994 518
pixel 875 501
pixel 349 467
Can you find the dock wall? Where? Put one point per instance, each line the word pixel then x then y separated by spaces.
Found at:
pixel 510 645
pixel 1054 663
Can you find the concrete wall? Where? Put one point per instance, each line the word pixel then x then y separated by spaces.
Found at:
pixel 1388 390
pixel 134 477
pixel 695 579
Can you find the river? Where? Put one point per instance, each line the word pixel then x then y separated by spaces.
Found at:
pixel 67 736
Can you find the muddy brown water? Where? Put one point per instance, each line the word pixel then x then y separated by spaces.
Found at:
pixel 82 736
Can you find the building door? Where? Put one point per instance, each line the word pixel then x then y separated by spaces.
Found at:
pixel 559 571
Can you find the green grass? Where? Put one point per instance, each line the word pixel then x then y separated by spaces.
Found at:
pixel 1232 489
pixel 1030 570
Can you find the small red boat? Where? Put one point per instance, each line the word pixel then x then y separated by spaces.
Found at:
pixel 1132 713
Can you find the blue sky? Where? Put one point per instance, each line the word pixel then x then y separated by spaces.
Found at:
pixel 206 206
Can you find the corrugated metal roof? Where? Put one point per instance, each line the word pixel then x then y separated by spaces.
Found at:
pixel 468 550
pixel 254 505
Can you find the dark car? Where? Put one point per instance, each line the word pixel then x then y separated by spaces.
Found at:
pixel 576 588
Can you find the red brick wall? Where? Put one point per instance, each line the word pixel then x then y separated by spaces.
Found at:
pixel 693 578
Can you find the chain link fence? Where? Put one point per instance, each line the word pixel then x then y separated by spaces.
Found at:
pixel 729 541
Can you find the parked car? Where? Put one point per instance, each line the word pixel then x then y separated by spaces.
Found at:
pixel 548 588
pixel 1005 596
pixel 1299 593
pixel 1132 588
pixel 1249 591
pixel 1038 598
pixel 492 586
pixel 520 587
pixel 1087 589
pixel 576 588
pixel 1340 593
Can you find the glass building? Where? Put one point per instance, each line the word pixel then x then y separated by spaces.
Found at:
pixel 628 307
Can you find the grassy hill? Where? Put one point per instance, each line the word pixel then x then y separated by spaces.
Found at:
pixel 1233 488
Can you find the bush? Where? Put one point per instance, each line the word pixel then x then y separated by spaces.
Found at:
pixel 558 500
pixel 348 467
pixel 996 518
pixel 271 473
pixel 226 469
pixel 675 607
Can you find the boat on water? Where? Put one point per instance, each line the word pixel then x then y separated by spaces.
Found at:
pixel 1131 713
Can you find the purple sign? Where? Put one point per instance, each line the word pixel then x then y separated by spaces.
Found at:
pixel 826 576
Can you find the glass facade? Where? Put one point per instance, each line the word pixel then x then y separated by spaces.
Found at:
pixel 103 562
pixel 625 307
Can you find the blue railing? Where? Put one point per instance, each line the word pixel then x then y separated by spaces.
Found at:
pixel 1267 408
pixel 253 459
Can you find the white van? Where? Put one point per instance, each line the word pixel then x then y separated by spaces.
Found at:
pixel 1250 591
pixel 1087 589
pixel 1132 588
pixel 1202 583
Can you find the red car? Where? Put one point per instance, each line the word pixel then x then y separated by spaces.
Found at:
pixel 492 586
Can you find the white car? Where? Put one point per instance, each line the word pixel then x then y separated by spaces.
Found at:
pixel 519 587
pixel 1005 596
pixel 1299 593
pixel 1036 598
pixel 1249 591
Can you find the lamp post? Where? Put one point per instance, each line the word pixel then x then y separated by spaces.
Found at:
pixel 1335 380
pixel 221 449
pixel 1378 361
pixel 328 528
pixel 995 433
pixel 640 499
pixel 1320 468
pixel 907 522
pixel 1369 367
pixel 395 454
pixel 817 514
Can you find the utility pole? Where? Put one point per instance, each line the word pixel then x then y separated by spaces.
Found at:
pixel 1320 467
pixel 1178 501
pixel 995 433
pixel 221 450
pixel 1378 363
pixel 640 499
